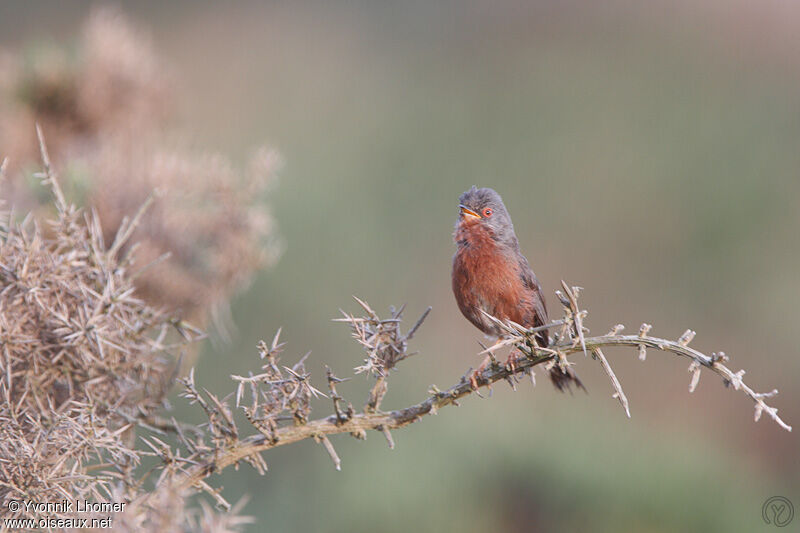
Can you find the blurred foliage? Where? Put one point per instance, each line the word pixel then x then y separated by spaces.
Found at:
pixel 646 153
pixel 107 109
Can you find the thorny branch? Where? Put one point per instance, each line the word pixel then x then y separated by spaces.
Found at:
pixel 282 419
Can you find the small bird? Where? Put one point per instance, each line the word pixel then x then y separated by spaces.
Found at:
pixel 490 274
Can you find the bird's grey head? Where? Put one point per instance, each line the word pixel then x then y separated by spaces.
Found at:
pixel 484 208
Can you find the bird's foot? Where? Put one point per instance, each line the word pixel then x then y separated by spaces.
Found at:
pixel 511 362
pixel 473 379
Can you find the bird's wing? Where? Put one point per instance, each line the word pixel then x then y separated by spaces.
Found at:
pixel 537 296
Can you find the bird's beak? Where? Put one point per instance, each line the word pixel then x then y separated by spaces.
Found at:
pixel 466 212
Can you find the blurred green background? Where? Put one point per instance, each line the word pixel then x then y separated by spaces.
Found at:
pixel 649 152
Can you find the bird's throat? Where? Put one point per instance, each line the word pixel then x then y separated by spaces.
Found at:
pixel 474 235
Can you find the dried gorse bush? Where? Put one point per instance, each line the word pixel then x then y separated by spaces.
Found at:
pixel 101 279
pixel 83 359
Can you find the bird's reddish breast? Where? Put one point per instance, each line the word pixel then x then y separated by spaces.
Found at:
pixel 486 277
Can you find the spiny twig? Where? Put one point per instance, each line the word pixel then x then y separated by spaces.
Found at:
pixel 386 346
pixel 618 394
pixel 569 299
pixel 358 424
pixel 49 173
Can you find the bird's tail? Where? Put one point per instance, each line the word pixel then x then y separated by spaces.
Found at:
pixel 564 379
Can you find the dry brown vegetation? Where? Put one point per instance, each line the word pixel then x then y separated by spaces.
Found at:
pixel 84 359
pixel 99 280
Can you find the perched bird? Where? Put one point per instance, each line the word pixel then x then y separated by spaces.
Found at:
pixel 491 274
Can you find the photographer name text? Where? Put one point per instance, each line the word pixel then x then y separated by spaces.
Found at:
pixel 70 506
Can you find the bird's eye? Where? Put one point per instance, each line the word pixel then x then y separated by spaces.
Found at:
pixel 487 212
